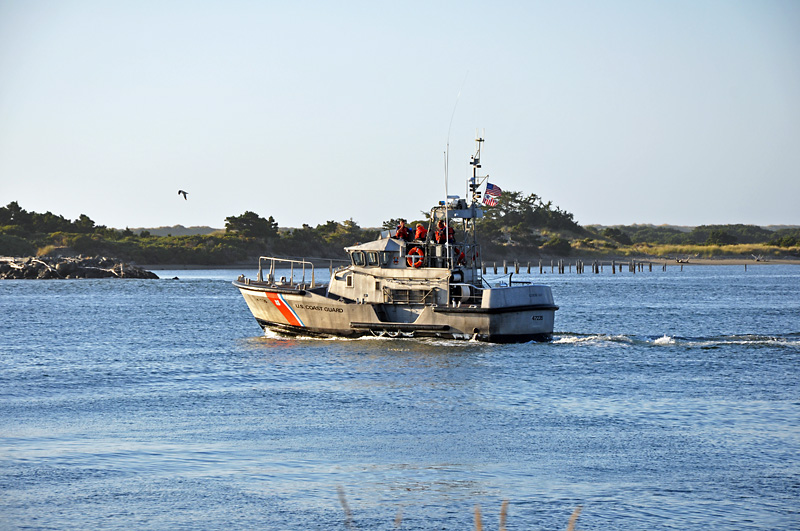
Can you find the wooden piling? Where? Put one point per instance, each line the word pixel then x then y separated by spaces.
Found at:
pixel 505 268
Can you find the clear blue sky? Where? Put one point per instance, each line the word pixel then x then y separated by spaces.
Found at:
pixel 620 112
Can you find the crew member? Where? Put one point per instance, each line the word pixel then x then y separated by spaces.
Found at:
pixel 444 233
pixel 402 232
pixel 421 233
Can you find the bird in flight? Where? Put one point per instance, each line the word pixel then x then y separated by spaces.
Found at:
pixel 181 192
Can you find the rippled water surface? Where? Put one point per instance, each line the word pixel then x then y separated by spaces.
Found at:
pixel 667 400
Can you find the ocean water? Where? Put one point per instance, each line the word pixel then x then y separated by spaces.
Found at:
pixel 667 401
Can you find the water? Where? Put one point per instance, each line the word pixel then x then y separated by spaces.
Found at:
pixel 668 400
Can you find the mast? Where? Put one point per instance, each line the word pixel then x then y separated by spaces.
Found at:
pixel 474 184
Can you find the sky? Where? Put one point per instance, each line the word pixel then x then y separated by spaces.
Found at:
pixel 621 112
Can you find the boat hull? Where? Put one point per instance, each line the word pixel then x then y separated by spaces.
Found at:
pixel 306 312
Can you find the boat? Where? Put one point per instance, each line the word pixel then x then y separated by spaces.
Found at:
pixel 398 288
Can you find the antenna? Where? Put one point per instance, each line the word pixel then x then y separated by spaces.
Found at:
pixel 447 149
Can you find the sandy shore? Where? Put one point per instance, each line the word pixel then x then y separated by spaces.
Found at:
pixel 734 261
pixel 244 267
pixel 534 262
pixel 687 261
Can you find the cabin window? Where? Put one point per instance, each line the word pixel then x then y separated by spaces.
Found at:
pixel 372 258
pixel 349 281
pixel 386 258
pixel 411 295
pixel 358 258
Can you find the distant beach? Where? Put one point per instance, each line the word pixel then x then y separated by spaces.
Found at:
pixel 523 263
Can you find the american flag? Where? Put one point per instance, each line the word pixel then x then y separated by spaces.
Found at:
pixel 493 190
pixel 489 201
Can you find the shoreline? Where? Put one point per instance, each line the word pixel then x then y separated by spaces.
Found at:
pixel 587 261
pixel 545 262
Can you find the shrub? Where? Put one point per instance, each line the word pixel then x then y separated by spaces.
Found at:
pixel 557 245
pixel 11 245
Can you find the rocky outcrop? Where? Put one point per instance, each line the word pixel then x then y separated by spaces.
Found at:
pixel 70 267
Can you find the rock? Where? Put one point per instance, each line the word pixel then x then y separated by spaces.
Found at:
pixel 47 273
pixel 65 268
pixel 31 270
pixel 68 267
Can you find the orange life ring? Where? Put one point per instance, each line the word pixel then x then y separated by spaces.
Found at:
pixel 415 255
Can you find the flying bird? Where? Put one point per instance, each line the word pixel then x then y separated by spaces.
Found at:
pixel 181 192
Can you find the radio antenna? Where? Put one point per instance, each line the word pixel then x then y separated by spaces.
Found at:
pixel 447 148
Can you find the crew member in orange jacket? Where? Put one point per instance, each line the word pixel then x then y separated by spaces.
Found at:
pixel 402 231
pixel 443 234
pixel 421 232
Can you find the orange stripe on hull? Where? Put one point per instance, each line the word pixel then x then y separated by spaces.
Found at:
pixel 282 307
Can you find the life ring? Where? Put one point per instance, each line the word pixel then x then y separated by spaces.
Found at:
pixel 415 255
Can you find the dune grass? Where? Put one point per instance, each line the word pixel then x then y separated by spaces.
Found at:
pixel 398 521
pixel 707 251
pixel 46 250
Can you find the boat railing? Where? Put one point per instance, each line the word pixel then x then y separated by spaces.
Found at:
pixel 299 267
pixel 518 282
pixel 447 255
pixel 465 294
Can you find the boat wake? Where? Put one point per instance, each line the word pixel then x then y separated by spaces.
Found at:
pixel 273 335
pixel 786 341
pixel 791 341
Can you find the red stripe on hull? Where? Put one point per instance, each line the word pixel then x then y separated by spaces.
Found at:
pixel 285 310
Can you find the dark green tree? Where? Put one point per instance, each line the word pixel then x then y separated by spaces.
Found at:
pixel 13 214
pixel 252 225
pixel 84 224
pixel 720 237
pixel 617 235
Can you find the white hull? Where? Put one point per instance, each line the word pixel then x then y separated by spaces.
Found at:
pixel 527 314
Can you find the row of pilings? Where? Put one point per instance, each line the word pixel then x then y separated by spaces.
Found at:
pixel 561 266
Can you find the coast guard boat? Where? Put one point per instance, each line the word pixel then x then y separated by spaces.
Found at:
pixel 397 288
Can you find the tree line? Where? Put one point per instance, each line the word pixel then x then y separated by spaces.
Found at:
pixel 732 234
pixel 520 225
